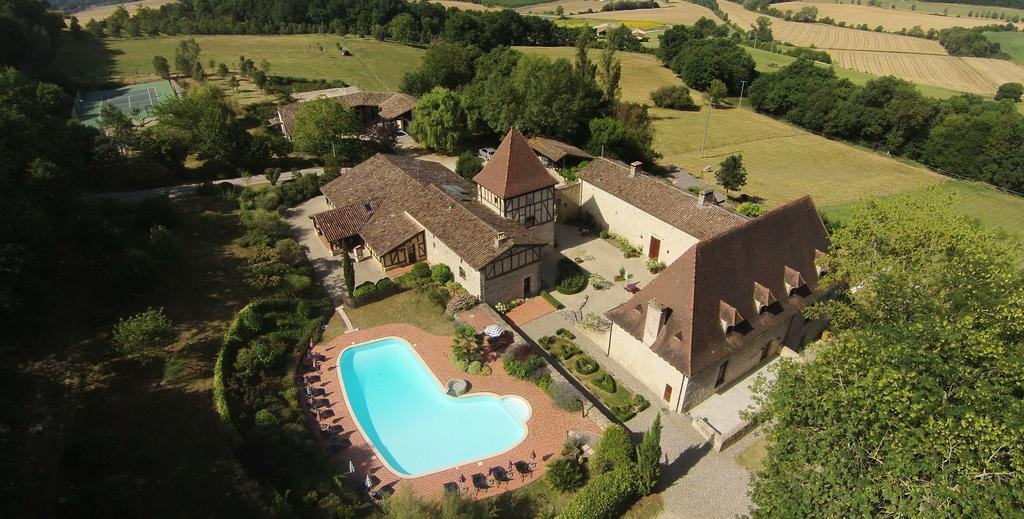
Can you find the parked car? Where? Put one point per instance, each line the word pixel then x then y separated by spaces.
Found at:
pixel 401 133
pixel 486 153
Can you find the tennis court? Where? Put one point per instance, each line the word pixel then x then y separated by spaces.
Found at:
pixel 130 99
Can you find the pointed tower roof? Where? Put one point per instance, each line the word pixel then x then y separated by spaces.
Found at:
pixel 514 169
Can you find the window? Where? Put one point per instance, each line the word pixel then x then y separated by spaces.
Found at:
pixel 462 273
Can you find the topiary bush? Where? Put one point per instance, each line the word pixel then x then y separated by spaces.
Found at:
pixel 565 333
pixel 565 396
pixel 441 273
pixel 585 365
pixel 474 367
pixel 545 342
pixel 573 284
pixel 420 270
pixel 569 350
pixel 149 329
pixel 364 289
pixel 384 283
pixel 605 382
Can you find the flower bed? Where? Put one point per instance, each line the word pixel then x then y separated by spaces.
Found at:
pixel 623 403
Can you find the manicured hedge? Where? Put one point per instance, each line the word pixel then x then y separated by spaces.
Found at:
pixel 551 299
pixel 384 283
pixel 586 365
pixel 606 496
pixel 606 383
pixel 571 278
pixel 364 289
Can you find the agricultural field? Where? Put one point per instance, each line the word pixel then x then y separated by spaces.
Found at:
pixel 677 13
pixel 1012 43
pixel 373 65
pixel 590 22
pixel 892 20
pixel 830 37
pixel 466 6
pixel 641 73
pixel 770 62
pixel 952 10
pixel 102 11
pixel 568 6
pixel 977 75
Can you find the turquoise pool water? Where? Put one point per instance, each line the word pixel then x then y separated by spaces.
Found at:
pixel 413 424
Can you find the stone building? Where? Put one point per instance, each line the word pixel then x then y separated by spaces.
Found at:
pixel 491 232
pixel 726 306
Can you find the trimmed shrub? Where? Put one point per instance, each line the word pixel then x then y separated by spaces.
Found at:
pixel 460 300
pixel 565 333
pixel 648 459
pixel 569 350
pixel 605 382
pixel 364 289
pixel 674 97
pixel 420 270
pixel 572 284
pixel 614 451
pixel 519 361
pixel 474 367
pixel 751 209
pixel 565 396
pixel 564 474
pixel 543 381
pixel 441 273
pixel 149 329
pixel 654 266
pixel 468 165
pixel 545 342
pixel 551 299
pixel 406 280
pixel 256 358
pixel 585 365
pixel 384 283
pixel 605 497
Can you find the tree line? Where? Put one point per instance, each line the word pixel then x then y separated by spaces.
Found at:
pixel 966 135
pixel 410 22
pixel 468 94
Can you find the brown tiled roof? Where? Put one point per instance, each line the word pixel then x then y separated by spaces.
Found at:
pixel 397 105
pixel 415 195
pixel 391 105
pixel 514 169
pixel 715 282
pixel 557 150
pixel 342 222
pixel 666 203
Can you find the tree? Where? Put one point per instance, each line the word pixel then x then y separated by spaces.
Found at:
pixel 186 58
pixel 927 347
pixel 614 451
pixel 259 77
pixel 648 458
pixel 222 70
pixel 438 120
pixel 326 127
pixel 447 65
pixel 609 72
pixel 206 122
pixel 233 83
pixel 404 28
pixel 468 165
pixel 731 174
pixel 699 62
pixel 149 329
pixel 272 175
pixel 762 29
pixel 1011 91
pixel 348 272
pixel 161 67
pixel 717 92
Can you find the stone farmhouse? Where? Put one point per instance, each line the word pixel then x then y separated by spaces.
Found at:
pixel 491 232
pixel 727 303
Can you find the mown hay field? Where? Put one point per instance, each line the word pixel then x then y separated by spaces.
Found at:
pixel 977 75
pixel 568 6
pixel 373 65
pixel 677 13
pixel 830 37
pixel 952 10
pixel 891 19
pixel 102 11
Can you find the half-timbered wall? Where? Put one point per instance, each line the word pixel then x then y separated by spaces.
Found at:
pixel 400 256
pixel 489 199
pixel 533 208
pixel 515 258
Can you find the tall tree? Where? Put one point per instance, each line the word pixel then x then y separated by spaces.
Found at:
pixel 648 458
pixel 717 92
pixel 609 72
pixel 348 272
pixel 161 67
pixel 186 58
pixel 325 127
pixel 731 174
pixel 438 120
pixel 913 407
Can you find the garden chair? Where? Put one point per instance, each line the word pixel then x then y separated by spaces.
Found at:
pixel 482 482
pixel 524 469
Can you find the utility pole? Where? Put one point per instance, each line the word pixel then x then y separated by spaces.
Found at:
pixel 743 83
pixel 707 123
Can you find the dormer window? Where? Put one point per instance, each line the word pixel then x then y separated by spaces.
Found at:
pixel 793 281
pixel 763 298
pixel 728 317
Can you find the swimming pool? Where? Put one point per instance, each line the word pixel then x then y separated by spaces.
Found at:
pixel 413 425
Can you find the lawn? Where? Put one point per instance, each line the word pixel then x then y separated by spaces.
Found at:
pixel 1011 43
pixel 129 435
pixel 990 206
pixel 752 457
pixel 408 307
pixel 374 65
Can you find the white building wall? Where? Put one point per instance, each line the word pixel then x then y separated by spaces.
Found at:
pixel 438 252
pixel 649 368
pixel 637 226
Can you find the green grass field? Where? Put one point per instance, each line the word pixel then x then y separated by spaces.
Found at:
pixel 935 7
pixel 1011 43
pixel 374 65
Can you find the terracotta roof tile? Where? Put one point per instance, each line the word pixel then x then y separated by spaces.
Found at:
pixel 666 203
pixel 514 169
pixel 714 282
pixel 392 105
pixel 557 150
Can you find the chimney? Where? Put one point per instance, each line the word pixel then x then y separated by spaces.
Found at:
pixel 499 239
pixel 654 321
pixel 706 196
pixel 632 168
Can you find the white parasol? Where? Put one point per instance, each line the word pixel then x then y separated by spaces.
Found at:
pixel 493 331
